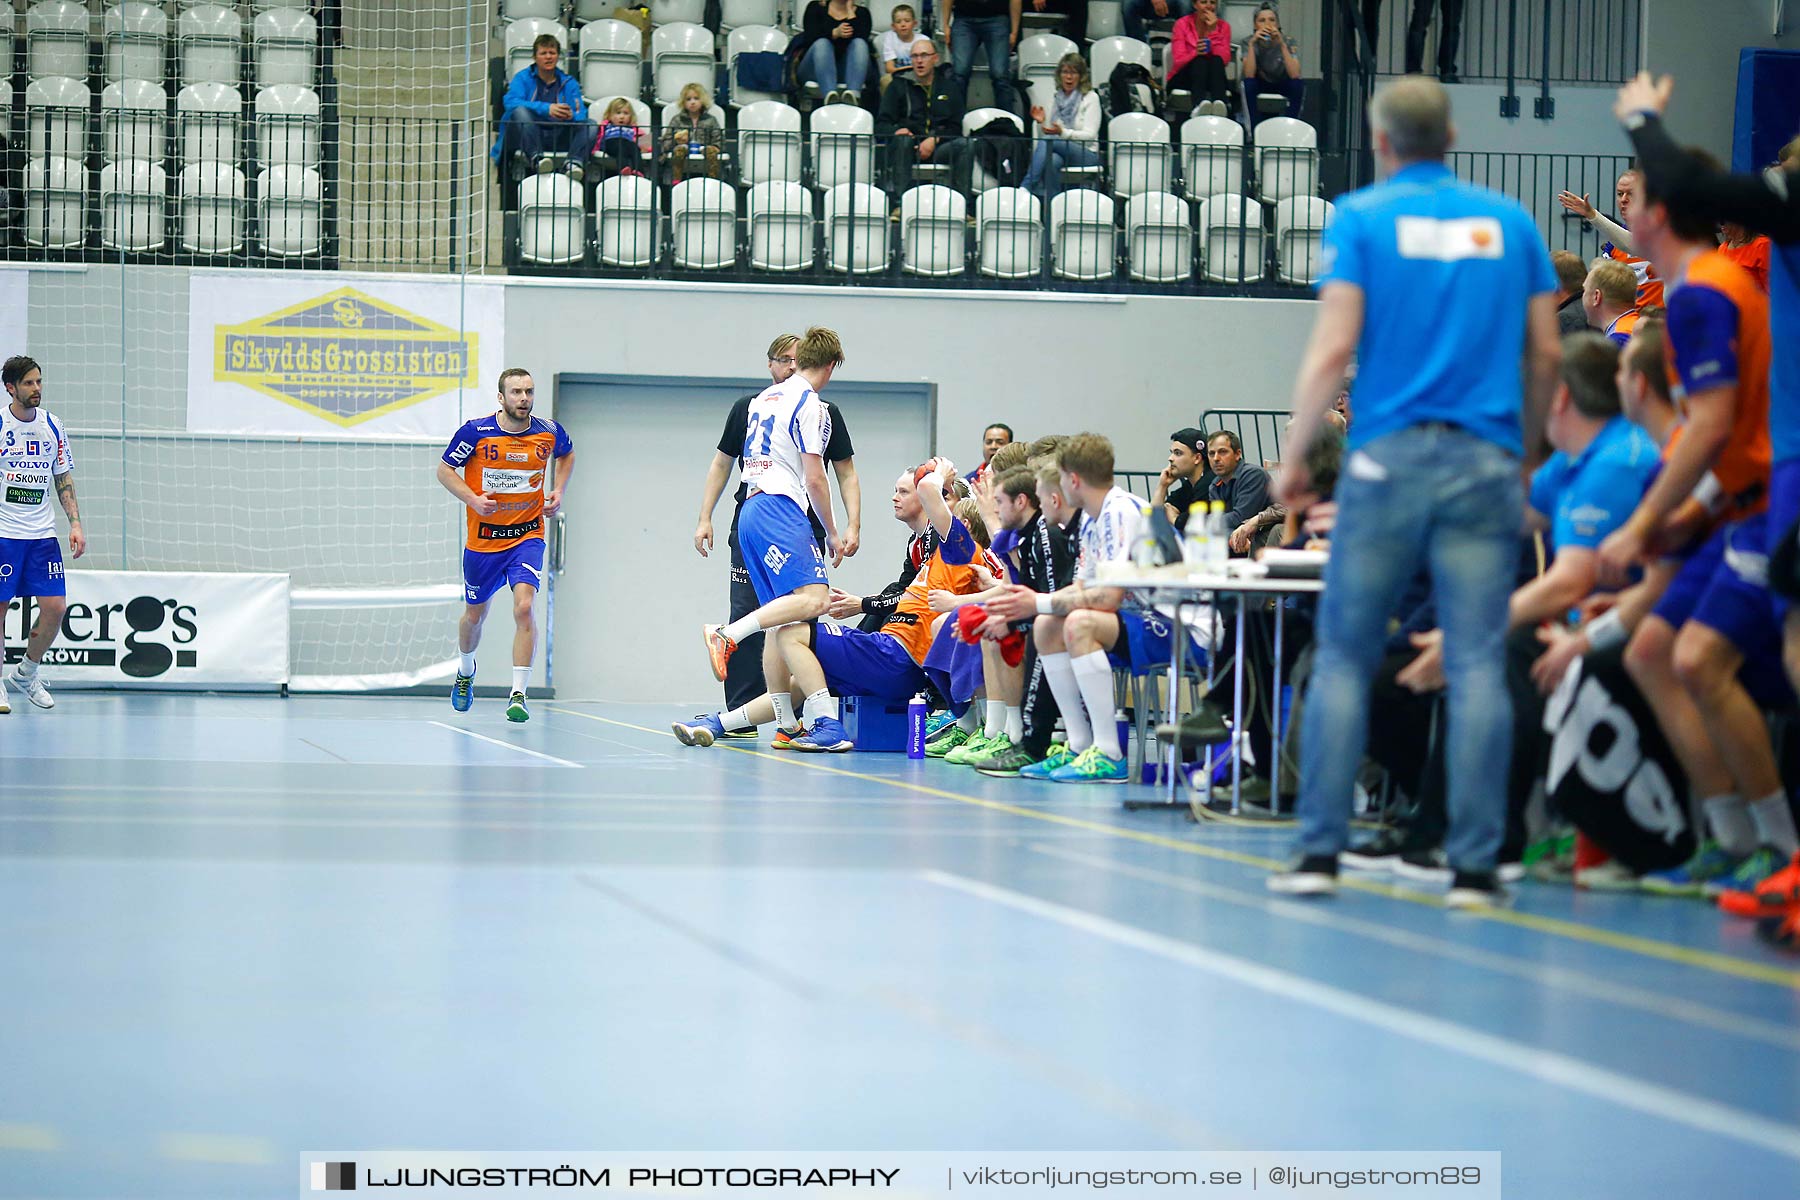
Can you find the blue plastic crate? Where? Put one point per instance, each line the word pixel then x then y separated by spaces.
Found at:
pixel 874 724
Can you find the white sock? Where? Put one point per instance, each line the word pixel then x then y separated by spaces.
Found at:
pixel 1061 676
pixel 996 719
pixel 1015 724
pixel 521 678
pixel 742 628
pixel 784 712
pixel 737 718
pixel 971 719
pixel 27 669
pixel 468 663
pixel 1729 819
pixel 1775 823
pixel 1094 676
pixel 820 704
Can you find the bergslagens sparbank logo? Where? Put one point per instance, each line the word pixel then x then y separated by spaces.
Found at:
pixel 334 1177
pixel 345 357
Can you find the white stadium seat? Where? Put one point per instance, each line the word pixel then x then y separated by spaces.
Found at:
pixel 679 55
pixel 56 40
pixel 881 16
pixel 287 126
pixel 843 145
pixel 1105 18
pixel 134 121
pixel 625 212
pixel 519 37
pixel 612 57
pixel 752 39
pixel 1009 233
pixel 519 10
pixel 56 119
pixel 856 228
pixel 207 116
pixel 55 203
pixel 677 12
pixel 133 206
pixel 1287 159
pixel 735 14
pixel 212 208
pixel 703 224
pixel 779 220
pixel 1109 52
pixel 1138 154
pixel 1299 228
pixel 1231 239
pixel 1038 56
pixel 596 10
pixel 291 208
pixel 1212 157
pixel 552 223
pixel 979 179
pixel 933 231
pixel 211 38
pixel 769 143
pixel 1082 235
pixel 136 36
pixel 286 44
pixel 1159 243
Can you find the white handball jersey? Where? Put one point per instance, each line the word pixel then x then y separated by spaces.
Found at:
pixel 786 421
pixel 32 454
pixel 1107 538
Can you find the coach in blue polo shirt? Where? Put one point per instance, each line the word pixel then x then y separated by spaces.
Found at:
pixel 1444 294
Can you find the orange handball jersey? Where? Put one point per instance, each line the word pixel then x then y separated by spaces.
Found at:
pixel 950 568
pixel 513 469
pixel 1718 335
pixel 1650 286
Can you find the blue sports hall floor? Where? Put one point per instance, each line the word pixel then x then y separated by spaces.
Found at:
pixel 233 929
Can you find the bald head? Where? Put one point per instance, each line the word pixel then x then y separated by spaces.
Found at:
pixel 1412 115
pixel 924 58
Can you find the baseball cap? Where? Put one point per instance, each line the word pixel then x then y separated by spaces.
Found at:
pixel 1193 439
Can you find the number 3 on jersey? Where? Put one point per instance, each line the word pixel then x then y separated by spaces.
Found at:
pixel 766 427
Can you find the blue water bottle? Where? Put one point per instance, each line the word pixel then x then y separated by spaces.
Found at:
pixel 916 709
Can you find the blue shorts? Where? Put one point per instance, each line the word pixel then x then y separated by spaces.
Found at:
pixel 1147 640
pixel 31 567
pixel 1724 587
pixel 954 668
pixel 779 552
pixel 487 571
pixel 866 664
pixel 1784 511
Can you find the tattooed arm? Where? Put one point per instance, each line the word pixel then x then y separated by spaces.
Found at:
pixel 65 491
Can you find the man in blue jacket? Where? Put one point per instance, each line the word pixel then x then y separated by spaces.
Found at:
pixel 544 114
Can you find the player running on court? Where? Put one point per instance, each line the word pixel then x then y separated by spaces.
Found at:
pixel 499 467
pixel 34 455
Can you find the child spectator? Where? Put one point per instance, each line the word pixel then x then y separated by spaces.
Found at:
pixel 621 143
pixel 692 137
pixel 897 43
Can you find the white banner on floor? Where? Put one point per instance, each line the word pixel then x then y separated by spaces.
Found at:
pixel 358 355
pixel 15 298
pixel 164 630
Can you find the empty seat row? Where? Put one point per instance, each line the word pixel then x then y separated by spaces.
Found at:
pixel 210 199
pixel 209 41
pixel 135 122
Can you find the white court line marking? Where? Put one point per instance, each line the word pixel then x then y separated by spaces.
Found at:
pixel 275 820
pixel 563 762
pixel 28 1137
pixel 1558 1070
pixel 216 1148
pixel 1657 1004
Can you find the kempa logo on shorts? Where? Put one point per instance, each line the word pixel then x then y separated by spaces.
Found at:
pixel 776 559
pixel 334 1177
pixel 345 357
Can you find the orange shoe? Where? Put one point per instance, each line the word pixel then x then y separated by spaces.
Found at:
pixel 784 738
pixel 1772 897
pixel 718 649
pixel 1781 931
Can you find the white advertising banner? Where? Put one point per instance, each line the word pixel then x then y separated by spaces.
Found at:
pixel 292 352
pixel 164 630
pixel 15 304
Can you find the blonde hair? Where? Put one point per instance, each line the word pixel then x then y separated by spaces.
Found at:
pixel 818 347
pixel 617 103
pixel 697 89
pixel 1414 111
pixel 1616 283
pixel 782 342
pixel 969 513
pixel 1085 84
pixel 1011 455
pixel 1090 456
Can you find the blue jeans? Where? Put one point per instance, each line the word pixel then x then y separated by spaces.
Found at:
pixel 525 130
pixel 1293 89
pixel 1137 12
pixel 1427 494
pixel 995 33
pixel 824 66
pixel 1049 157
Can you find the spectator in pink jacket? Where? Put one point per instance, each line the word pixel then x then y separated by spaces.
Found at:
pixel 1197 58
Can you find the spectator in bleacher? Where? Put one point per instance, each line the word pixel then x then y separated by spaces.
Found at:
pixel 1449 34
pixel 1618 236
pixel 1244 487
pixel 1137 13
pixel 1270 64
pixel 1197 56
pixel 544 115
pixel 1609 298
pixel 1571 274
pixel 1074 15
pixel 897 43
pixel 622 144
pixel 1747 251
pixel 692 138
pixel 995 25
pixel 834 49
pixel 1067 132
pixel 921 118
pixel 1187 479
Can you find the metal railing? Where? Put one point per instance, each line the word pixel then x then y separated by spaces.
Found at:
pixel 1542 41
pixel 1534 181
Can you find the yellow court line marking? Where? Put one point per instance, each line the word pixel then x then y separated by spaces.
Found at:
pixel 1705 960
pixel 216 1148
pixel 28 1137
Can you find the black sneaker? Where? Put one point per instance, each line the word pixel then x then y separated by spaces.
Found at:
pixel 1423 866
pixel 1474 890
pixel 1310 875
pixel 1205 726
pixel 521 165
pixel 1378 854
